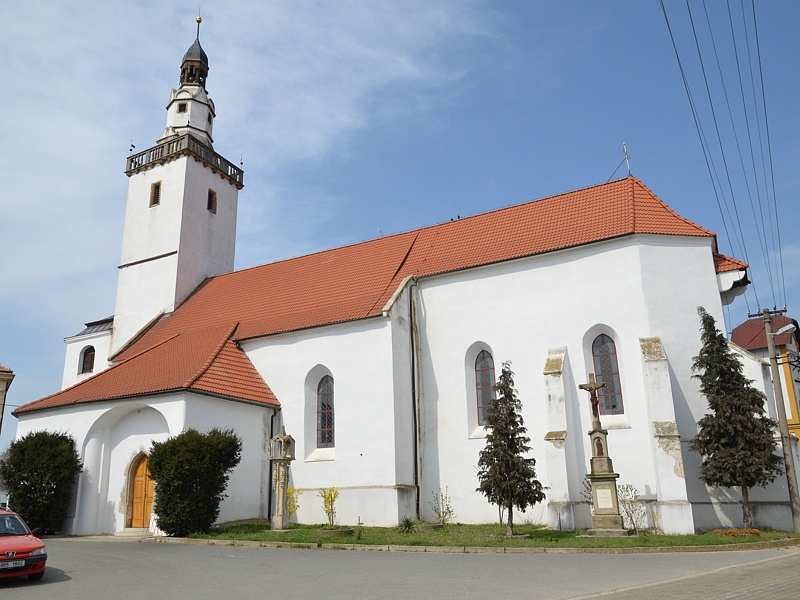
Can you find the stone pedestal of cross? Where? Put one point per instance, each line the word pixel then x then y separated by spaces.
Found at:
pixel 281 453
pixel 606 520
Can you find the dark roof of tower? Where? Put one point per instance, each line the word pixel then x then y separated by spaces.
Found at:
pixel 196 52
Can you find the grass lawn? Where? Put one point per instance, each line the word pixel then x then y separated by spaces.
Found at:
pixel 482 536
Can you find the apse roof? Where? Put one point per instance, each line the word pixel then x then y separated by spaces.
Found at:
pixel 357 281
pixel 723 263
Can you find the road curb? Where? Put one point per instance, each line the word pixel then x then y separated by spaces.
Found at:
pixel 766 545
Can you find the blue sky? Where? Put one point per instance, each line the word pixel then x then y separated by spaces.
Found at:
pixel 360 119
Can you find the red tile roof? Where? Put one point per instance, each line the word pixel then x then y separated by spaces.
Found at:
pixel 751 335
pixel 200 360
pixel 724 263
pixel 356 281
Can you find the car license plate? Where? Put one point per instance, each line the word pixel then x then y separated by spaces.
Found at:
pixel 11 564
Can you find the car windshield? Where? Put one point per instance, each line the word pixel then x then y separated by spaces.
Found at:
pixel 12 525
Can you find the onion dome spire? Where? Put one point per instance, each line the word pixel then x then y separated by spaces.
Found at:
pixel 194 68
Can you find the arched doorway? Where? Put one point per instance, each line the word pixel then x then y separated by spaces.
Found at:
pixel 142 494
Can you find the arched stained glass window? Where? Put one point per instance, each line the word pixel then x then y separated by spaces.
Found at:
pixel 325 428
pixel 606 370
pixel 87 360
pixel 484 384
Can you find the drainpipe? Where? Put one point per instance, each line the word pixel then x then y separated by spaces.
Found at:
pixel 414 334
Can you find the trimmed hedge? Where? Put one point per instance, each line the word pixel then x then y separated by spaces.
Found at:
pixel 191 473
pixel 39 472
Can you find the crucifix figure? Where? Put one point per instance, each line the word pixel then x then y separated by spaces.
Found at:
pixel 592 388
pixel 606 519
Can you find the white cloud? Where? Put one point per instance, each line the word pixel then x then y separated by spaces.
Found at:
pixel 293 82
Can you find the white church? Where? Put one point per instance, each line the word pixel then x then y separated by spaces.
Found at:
pixel 378 357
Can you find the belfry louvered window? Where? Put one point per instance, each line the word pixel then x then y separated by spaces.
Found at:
pixel 155 194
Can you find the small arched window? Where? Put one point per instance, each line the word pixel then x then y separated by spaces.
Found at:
pixel 606 370
pixel 325 426
pixel 87 360
pixel 484 384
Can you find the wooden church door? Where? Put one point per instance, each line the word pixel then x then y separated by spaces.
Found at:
pixel 142 497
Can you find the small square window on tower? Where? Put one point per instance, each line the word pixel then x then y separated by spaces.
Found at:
pixel 155 194
pixel 212 201
pixel 182 107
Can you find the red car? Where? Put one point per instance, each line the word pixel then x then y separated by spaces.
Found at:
pixel 21 552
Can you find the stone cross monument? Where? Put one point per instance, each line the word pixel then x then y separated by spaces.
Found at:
pixel 281 453
pixel 606 520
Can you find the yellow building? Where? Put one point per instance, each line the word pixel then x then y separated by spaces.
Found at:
pixel 751 336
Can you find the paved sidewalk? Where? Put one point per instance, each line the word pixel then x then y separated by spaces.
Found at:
pixel 776 578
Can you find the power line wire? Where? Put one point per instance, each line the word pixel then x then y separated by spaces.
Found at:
pixel 758 216
pixel 769 152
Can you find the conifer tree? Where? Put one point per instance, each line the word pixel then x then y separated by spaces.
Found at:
pixel 736 439
pixel 507 478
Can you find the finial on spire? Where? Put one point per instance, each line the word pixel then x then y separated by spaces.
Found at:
pixel 199 20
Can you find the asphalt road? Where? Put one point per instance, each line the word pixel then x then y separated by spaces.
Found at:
pixel 101 570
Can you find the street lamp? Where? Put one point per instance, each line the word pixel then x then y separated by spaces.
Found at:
pixel 6 377
pixel 783 426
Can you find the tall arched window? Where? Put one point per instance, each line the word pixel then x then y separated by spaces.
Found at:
pixel 87 360
pixel 606 370
pixel 325 428
pixel 484 384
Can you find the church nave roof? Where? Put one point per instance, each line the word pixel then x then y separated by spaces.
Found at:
pixel 356 282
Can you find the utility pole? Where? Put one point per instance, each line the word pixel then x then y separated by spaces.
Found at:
pixel 6 377
pixel 783 426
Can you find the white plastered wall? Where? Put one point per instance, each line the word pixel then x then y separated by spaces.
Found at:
pixel 110 436
pixel 179 241
pixel 73 359
pixel 521 310
pixel 248 485
pixel 370 417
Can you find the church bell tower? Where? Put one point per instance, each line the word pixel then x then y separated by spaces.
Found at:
pixel 180 216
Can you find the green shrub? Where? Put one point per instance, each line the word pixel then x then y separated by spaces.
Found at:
pixel 329 497
pixel 407 525
pixel 39 472
pixel 191 473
